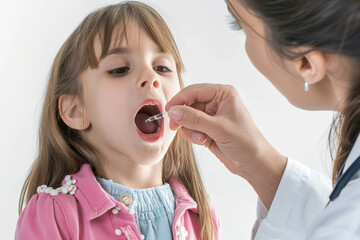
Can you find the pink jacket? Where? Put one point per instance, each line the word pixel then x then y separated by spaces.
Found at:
pixel 81 209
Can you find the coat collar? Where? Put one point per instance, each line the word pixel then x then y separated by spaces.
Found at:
pixel 96 201
pixel 182 196
pixel 93 199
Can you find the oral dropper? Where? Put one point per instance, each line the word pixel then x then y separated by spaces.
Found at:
pixel 156 117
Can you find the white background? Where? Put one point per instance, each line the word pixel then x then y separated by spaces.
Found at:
pixel 32 33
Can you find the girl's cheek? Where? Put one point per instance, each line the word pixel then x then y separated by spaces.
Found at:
pixel 171 88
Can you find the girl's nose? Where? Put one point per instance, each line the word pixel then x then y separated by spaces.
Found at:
pixel 149 79
pixel 154 83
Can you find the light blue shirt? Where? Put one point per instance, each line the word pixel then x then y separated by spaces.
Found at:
pixel 154 208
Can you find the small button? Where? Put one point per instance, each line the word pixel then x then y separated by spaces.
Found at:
pixel 115 211
pixel 118 232
pixel 126 199
pixel 142 237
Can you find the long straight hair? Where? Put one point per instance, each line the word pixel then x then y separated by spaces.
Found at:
pixel 63 150
pixel 330 26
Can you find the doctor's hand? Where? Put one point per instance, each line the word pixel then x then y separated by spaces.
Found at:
pixel 214 115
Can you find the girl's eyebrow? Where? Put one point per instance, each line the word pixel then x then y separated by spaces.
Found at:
pixel 164 54
pixel 124 50
pixel 117 50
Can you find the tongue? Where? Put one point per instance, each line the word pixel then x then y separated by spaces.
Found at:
pixel 147 128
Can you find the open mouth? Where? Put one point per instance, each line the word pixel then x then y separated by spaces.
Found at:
pixel 144 113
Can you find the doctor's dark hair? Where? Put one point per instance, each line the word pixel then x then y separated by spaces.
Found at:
pixel 62 150
pixel 329 26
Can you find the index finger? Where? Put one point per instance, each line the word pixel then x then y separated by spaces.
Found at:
pixel 197 93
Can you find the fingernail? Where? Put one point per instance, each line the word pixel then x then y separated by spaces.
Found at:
pixel 197 137
pixel 175 113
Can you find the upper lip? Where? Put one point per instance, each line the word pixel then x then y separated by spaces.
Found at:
pixel 150 101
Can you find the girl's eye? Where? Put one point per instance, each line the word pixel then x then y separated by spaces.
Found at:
pixel 162 69
pixel 119 71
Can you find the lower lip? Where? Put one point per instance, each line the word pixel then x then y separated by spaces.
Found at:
pixel 152 137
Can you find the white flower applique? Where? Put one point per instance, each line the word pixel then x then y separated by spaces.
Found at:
pixel 67 188
pixel 181 234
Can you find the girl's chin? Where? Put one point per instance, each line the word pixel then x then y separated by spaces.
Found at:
pixel 150 160
pixel 153 152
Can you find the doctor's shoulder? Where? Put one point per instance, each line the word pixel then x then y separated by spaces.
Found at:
pixel 50 212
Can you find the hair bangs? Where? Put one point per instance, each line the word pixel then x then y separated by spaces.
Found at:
pixel 114 25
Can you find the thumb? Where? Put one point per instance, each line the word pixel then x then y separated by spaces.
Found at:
pixel 193 119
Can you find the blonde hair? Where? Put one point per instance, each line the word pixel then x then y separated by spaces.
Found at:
pixel 62 150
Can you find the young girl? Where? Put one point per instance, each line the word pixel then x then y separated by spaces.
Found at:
pixel 102 172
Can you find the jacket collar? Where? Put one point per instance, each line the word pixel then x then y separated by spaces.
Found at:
pixel 92 198
pixel 96 201
pixel 183 200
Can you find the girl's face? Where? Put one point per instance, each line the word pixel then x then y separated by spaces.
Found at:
pixel 134 81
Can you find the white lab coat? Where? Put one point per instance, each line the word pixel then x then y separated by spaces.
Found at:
pixel 298 210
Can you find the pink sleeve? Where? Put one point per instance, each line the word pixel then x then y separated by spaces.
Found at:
pixel 216 222
pixel 42 218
